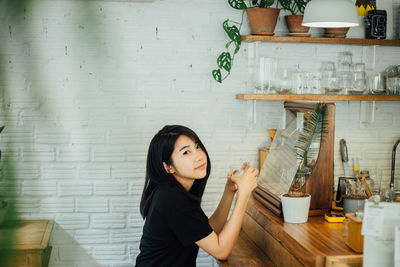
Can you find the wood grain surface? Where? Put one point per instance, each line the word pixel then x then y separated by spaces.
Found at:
pixel 309 243
pixel 319 40
pixel 246 253
pixel 318 97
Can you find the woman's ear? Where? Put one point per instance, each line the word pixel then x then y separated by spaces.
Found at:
pixel 168 169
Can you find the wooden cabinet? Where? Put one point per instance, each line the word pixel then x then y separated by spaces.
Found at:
pixel 30 243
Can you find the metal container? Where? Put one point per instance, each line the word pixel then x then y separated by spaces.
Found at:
pixel 351 205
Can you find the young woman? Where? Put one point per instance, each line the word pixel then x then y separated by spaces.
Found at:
pixel 177 170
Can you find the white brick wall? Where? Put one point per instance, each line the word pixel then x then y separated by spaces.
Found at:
pixel 86 84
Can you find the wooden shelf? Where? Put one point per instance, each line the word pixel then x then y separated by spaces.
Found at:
pixel 318 97
pixel 319 40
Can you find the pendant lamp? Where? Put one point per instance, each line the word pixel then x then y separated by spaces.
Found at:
pixel 330 14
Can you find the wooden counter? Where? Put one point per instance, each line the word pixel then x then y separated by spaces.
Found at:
pixel 246 253
pixel 30 244
pixel 315 243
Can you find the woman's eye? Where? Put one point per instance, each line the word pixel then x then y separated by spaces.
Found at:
pixel 186 152
pixel 198 146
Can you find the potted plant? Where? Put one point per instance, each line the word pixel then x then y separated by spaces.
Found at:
pixel 3 203
pixel 294 21
pixel 296 203
pixel 262 19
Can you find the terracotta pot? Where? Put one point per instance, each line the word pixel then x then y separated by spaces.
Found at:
pixel 293 23
pixel 262 20
pixel 336 32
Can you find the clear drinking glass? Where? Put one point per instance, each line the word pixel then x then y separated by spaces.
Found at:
pixel 376 83
pixel 344 80
pixel 285 81
pixel 359 79
pixel 307 84
pixel 359 83
pixel 328 78
pixel 298 82
pixel 264 75
pixel 315 83
pixel 345 57
pixel 393 85
pixel 328 66
pixel 345 60
pixel 359 67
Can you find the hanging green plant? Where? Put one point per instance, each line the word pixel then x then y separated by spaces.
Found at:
pixel 232 29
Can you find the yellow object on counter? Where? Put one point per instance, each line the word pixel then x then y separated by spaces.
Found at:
pixel 335 218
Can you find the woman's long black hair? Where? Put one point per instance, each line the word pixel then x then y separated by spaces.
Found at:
pixel 160 150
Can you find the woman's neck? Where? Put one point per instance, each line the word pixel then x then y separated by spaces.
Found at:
pixel 186 183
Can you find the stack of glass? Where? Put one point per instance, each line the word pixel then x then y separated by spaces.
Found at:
pixel 344 74
pixel 329 80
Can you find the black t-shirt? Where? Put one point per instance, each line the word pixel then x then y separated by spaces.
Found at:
pixel 173 224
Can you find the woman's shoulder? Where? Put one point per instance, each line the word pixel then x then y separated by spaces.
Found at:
pixel 170 195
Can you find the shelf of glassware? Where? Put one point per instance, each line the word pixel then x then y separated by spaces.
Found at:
pixel 276 97
pixel 319 40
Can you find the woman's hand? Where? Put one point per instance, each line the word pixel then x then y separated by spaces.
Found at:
pixel 230 185
pixel 247 182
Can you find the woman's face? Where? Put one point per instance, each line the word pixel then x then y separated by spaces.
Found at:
pixel 189 161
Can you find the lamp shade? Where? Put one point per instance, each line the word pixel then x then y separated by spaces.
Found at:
pixel 330 14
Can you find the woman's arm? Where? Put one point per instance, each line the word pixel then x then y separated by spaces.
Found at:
pixel 220 245
pixel 218 219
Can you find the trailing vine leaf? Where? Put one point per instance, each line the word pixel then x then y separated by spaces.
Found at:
pixel 237 4
pixel 232 32
pixel 228 44
pixel 217 75
pixel 236 48
pixel 225 61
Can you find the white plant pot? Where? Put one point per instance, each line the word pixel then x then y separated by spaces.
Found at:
pixel 295 209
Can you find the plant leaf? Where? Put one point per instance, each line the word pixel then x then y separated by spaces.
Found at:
pixel 314 127
pixel 217 75
pixel 225 61
pixel 301 5
pixel 237 4
pixel 233 34
pixel 285 4
pixel 266 3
